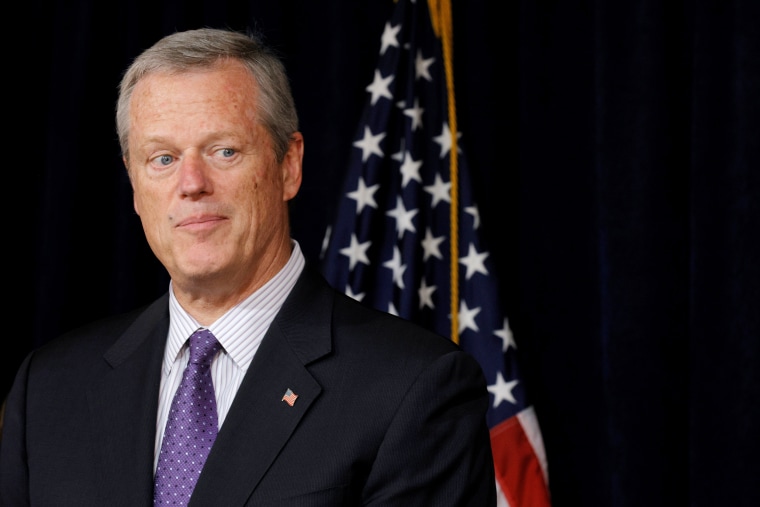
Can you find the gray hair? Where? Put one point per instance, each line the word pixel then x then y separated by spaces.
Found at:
pixel 204 48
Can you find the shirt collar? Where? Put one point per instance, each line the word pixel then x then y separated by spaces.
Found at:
pixel 246 321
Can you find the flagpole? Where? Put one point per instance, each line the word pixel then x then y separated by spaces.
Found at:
pixel 440 14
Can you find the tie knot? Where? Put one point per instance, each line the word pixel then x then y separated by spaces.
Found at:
pixel 203 347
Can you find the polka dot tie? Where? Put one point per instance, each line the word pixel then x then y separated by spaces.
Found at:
pixel 191 427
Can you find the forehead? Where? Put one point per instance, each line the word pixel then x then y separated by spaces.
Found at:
pixel 225 93
pixel 228 81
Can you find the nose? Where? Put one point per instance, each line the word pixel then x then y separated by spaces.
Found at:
pixel 194 176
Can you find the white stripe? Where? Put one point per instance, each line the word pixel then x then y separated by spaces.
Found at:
pixel 529 422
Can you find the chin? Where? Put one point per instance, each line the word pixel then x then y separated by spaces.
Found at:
pixel 198 269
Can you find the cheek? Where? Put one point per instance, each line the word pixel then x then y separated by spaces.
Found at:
pixel 137 202
pixel 146 203
pixel 262 199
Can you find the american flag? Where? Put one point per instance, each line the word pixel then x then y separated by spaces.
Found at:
pixel 408 210
pixel 289 397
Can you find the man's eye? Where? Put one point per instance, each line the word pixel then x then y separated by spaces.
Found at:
pixel 165 160
pixel 227 152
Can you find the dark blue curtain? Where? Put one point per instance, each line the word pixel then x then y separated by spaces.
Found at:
pixel 614 148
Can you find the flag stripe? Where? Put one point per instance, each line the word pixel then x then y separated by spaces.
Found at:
pixel 518 469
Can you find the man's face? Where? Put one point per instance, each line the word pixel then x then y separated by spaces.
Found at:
pixel 210 194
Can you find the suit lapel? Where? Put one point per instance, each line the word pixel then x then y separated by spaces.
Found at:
pixel 123 408
pixel 259 422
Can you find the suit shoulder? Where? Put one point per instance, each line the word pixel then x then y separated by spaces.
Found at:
pixel 95 336
pixel 369 324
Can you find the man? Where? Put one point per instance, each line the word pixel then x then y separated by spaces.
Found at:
pixel 311 398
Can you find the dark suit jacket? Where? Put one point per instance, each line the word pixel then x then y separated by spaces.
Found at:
pixel 387 414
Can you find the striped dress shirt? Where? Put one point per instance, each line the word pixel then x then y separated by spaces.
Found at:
pixel 240 332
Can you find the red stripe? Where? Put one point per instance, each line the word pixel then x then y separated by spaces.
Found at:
pixel 518 471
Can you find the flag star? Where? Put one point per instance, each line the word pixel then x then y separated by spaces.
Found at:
pixel 422 66
pixel 445 140
pixel 357 296
pixel 502 390
pixel 467 317
pixel 415 113
pixel 379 87
pixel 396 267
pixel 389 38
pixel 356 252
pixel 403 217
pixel 410 169
pixel 474 262
pixel 399 155
pixel 426 295
pixel 370 144
pixel 430 245
pixel 473 210
pixel 364 195
pixel 326 240
pixel 392 309
pixel 440 190
pixel 505 333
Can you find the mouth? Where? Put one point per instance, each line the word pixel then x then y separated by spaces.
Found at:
pixel 200 222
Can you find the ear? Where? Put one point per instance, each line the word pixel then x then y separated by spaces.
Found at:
pixel 292 166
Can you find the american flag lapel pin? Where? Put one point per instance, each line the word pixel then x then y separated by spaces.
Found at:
pixel 289 397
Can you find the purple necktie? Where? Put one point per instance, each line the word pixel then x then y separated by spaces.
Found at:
pixel 191 427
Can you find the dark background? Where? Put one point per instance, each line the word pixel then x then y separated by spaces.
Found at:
pixel 614 148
